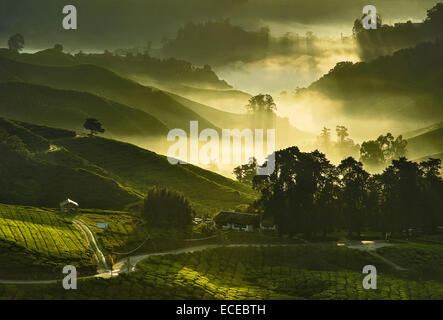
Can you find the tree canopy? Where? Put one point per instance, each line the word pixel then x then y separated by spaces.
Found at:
pixel 167 208
pixel 94 126
pixel 16 42
pixel 309 195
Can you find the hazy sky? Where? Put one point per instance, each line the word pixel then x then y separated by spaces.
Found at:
pixel 120 23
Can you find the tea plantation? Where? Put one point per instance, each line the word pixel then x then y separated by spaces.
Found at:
pixel 37 243
pixel 292 272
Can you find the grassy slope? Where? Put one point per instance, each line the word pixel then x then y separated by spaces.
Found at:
pixel 424 260
pixel 103 173
pixel 69 109
pixel 96 80
pixel 141 169
pixel 303 272
pixel 41 177
pixel 38 243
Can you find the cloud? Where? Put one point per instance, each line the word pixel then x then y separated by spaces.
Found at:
pixel 111 24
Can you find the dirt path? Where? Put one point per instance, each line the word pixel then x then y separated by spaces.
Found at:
pixel 122 265
pixel 100 257
pixel 371 249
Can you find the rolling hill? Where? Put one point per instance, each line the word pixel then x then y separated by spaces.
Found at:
pixel 427 142
pixel 170 108
pixel 141 169
pixel 45 178
pixel 102 82
pixel 68 109
pixel 404 86
pixel 99 173
pixel 126 63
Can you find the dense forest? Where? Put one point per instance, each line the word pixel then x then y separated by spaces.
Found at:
pixel 308 194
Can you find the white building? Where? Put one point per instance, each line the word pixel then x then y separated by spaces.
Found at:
pixel 68 206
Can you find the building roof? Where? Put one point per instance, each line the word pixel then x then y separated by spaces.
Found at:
pixel 237 218
pixel 68 201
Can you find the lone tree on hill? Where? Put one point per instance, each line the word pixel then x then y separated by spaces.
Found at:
pixel 58 47
pixel 16 42
pixel 94 126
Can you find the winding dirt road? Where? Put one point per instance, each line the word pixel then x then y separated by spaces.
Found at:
pixel 121 266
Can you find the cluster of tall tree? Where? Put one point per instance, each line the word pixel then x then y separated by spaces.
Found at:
pixel 342 147
pixel 163 207
pixel 377 154
pixel 307 194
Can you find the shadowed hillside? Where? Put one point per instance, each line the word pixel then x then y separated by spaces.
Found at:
pixel 99 173
pixel 142 169
pixel 406 86
pixel 69 109
pixel 96 80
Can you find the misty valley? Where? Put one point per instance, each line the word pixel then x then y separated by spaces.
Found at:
pixel 221 150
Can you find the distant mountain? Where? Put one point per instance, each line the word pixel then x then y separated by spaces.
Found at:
pixel 433 156
pixel 407 86
pixel 420 131
pixel 172 110
pixel 126 63
pixel 387 39
pixel 99 81
pixel 229 100
pixel 428 143
pixel 69 109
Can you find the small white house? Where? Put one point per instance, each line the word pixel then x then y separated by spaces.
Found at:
pixel 239 221
pixel 68 206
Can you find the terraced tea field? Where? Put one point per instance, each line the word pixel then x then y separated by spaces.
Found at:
pixel 34 241
pixel 295 272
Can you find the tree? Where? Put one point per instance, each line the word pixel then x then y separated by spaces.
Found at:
pixel 58 47
pixel 261 103
pixel 432 186
pixel 371 154
pixel 435 14
pixel 354 194
pixel 377 153
pixel 342 133
pixel 402 195
pixel 300 193
pixel 94 126
pixel 167 208
pixel 246 172
pixel 16 43
pixel 324 140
